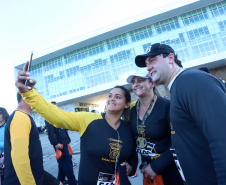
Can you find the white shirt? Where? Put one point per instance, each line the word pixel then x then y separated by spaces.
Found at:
pixel 171 83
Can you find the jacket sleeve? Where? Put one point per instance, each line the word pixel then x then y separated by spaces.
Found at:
pixel 166 159
pixel 206 102
pixel 75 121
pixel 19 132
pixel 162 162
pixel 52 134
pixel 133 161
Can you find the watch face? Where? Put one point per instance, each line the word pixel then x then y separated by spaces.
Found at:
pixel 143 165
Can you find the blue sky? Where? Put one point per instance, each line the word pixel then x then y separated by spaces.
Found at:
pixel 28 25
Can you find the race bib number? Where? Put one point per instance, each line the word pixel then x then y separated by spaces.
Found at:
pixel 177 163
pixel 106 179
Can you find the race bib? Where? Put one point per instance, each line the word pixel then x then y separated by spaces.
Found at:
pixel 177 163
pixel 147 151
pixel 106 179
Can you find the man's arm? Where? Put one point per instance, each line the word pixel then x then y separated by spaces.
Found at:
pixel 51 130
pixel 19 132
pixel 205 100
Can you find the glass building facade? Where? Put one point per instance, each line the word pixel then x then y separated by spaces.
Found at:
pixel 193 35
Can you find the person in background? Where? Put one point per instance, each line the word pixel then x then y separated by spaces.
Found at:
pixel 197 114
pixel 205 69
pixel 150 123
pixel 58 137
pixel 107 149
pixel 23 151
pixel 3 118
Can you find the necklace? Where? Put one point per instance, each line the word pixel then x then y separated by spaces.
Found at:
pixel 141 141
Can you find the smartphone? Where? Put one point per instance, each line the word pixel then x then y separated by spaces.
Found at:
pixel 29 66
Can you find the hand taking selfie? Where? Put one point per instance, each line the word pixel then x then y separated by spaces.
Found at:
pixel 22 77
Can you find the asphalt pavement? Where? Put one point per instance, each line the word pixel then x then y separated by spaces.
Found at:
pixel 49 157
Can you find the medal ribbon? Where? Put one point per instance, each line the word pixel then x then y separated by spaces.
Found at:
pixel 147 113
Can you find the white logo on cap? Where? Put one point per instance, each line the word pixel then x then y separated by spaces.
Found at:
pixel 148 49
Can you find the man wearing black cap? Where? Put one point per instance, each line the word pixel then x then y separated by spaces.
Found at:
pixel 197 112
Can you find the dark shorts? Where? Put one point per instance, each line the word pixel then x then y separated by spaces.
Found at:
pixel 49 179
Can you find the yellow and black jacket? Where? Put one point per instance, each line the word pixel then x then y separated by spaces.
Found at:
pixel 99 141
pixel 23 152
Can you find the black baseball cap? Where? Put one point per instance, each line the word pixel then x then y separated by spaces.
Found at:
pixel 153 50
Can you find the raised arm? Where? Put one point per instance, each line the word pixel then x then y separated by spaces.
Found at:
pixel 51 113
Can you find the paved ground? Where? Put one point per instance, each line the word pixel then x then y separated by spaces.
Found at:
pixel 49 157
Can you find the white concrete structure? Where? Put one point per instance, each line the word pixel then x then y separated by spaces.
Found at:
pixel 83 69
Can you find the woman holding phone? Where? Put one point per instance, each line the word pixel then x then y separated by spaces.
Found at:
pixel 151 125
pixel 107 150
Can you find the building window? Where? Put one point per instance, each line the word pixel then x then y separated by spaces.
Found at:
pixel 167 25
pixel 198 34
pixel 218 9
pixel 222 25
pixel 141 33
pixel 117 41
pixel 84 52
pixel 194 16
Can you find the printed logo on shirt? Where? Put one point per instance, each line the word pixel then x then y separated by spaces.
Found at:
pixel 177 163
pixel 115 149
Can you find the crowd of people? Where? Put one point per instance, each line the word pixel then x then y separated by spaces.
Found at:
pixel 181 139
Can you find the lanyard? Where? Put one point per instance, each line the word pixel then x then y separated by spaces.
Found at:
pixel 118 148
pixel 118 152
pixel 147 113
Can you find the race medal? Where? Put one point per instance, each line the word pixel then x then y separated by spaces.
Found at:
pixel 141 142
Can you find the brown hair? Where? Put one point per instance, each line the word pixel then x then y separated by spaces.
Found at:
pixel 177 61
pixel 126 112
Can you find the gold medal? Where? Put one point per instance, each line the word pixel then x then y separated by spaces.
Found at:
pixel 141 142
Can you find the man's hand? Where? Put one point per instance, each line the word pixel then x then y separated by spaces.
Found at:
pixel 148 172
pixel 22 76
pixel 128 167
pixel 58 146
